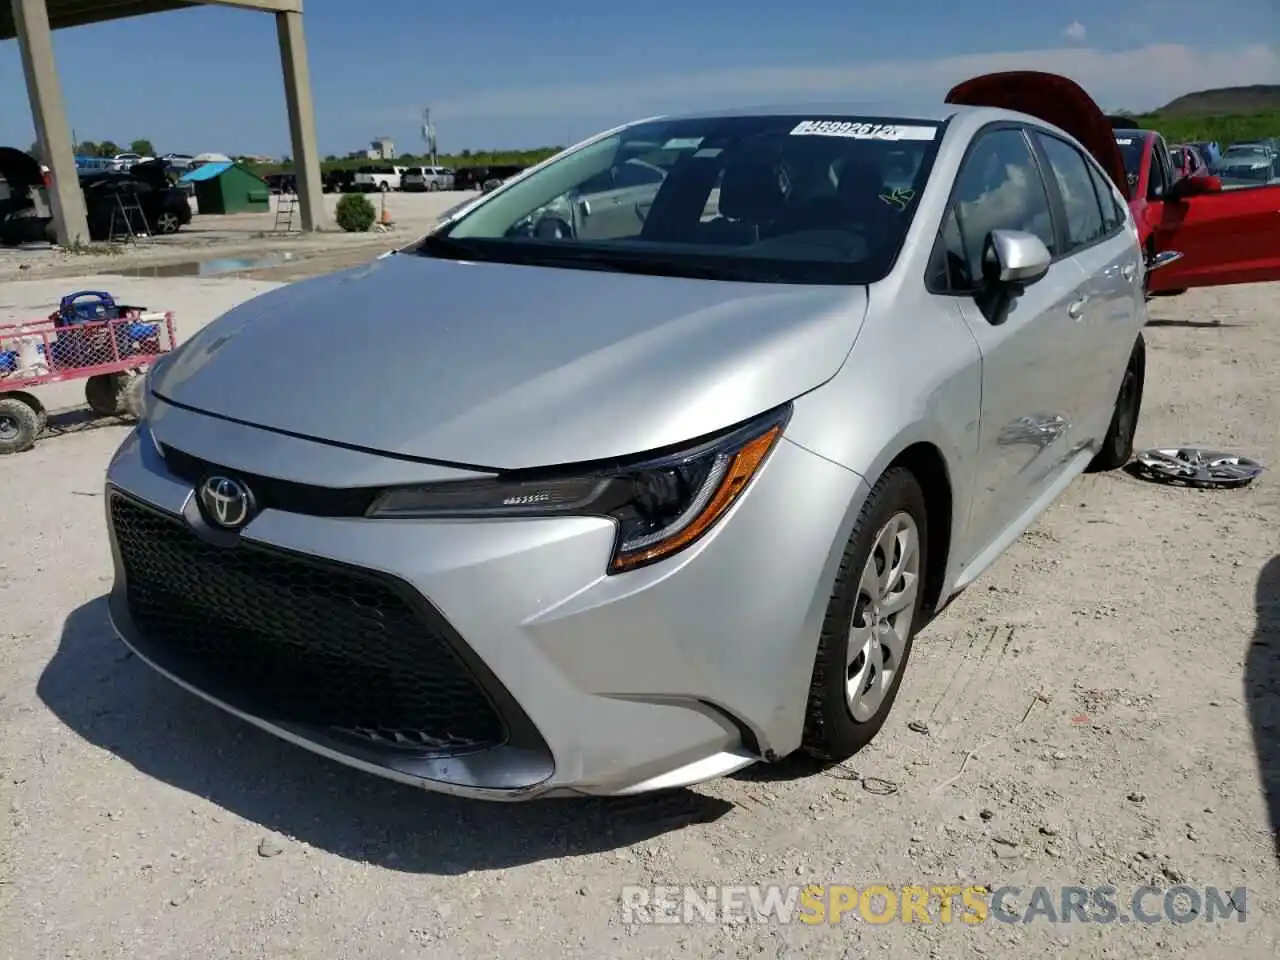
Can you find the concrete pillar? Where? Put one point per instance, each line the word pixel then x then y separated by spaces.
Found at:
pixel 302 119
pixel 35 41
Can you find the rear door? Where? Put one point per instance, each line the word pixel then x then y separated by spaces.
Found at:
pixel 1108 312
pixel 1033 355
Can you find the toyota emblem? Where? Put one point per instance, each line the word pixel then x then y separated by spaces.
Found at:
pixel 225 502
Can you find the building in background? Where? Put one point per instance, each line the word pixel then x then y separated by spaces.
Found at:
pixel 382 148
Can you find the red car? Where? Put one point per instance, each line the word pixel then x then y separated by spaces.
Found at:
pixel 1219 237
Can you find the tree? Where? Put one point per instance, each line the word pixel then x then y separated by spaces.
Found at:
pixel 108 148
pixel 87 149
pixel 331 159
pixel 143 147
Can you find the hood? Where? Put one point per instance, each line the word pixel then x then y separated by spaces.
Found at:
pixel 1054 99
pixel 508 367
pixel 19 169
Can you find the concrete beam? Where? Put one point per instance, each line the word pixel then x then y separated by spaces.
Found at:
pixel 267 6
pixel 35 41
pixel 302 119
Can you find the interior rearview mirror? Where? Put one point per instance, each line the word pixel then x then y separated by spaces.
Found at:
pixel 1014 258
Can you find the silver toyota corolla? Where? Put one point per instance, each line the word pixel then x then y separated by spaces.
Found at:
pixel 633 474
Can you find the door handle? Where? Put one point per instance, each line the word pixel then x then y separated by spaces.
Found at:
pixel 1128 271
pixel 1076 310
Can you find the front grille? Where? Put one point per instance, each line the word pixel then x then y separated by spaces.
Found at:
pixel 298 641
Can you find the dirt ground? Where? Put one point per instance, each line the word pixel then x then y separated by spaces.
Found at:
pixel 1099 709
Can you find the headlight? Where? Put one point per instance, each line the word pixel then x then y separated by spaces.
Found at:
pixel 661 505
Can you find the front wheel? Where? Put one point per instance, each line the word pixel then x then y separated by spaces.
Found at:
pixel 1117 445
pixel 384 187
pixel 871 620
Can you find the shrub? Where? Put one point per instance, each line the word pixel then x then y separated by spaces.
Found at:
pixel 355 213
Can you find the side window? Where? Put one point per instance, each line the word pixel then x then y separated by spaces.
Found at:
pixel 1113 214
pixel 632 174
pixel 999 188
pixel 1079 199
pixel 1161 171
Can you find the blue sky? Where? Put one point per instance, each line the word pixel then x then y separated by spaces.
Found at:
pixel 510 73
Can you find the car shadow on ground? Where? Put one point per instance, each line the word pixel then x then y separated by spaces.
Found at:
pixel 1262 690
pixel 115 701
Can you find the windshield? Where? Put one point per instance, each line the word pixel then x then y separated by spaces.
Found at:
pixel 782 199
pixel 1131 150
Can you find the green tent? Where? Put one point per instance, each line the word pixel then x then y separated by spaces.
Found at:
pixel 228 188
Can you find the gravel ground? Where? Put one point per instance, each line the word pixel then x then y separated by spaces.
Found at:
pixel 1101 708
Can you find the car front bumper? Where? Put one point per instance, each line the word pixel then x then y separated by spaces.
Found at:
pixel 661 677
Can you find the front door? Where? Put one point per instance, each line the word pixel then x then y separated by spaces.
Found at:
pixel 1032 354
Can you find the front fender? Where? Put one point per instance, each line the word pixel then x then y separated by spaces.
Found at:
pixel 906 382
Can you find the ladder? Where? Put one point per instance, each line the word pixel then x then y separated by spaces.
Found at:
pixel 286 204
pixel 126 217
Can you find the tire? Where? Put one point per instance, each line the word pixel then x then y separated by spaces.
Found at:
pixel 104 394
pixel 19 425
pixel 1117 445
pixel 132 395
pixel 837 724
pixel 384 187
pixel 167 222
pixel 433 186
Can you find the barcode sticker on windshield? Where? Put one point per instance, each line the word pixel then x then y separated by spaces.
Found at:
pixel 862 131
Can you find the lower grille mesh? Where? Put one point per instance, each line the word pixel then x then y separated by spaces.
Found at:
pixel 299 641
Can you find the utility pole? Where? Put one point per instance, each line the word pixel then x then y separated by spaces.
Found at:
pixel 429 134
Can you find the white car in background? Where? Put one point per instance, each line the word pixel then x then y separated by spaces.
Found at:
pixel 126 161
pixel 426 178
pixel 377 179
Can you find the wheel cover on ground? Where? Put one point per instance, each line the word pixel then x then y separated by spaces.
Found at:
pixel 882 615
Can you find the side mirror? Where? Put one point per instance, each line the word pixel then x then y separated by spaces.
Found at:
pixel 1014 258
pixel 1196 185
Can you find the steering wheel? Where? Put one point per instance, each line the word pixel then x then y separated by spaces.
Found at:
pixel 553 228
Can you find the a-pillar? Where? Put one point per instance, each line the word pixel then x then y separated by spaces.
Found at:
pixel 35 41
pixel 302 119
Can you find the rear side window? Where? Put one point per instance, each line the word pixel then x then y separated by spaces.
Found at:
pixel 1113 212
pixel 1079 197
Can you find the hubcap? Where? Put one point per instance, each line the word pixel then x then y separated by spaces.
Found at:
pixel 882 615
pixel 8 428
pixel 168 223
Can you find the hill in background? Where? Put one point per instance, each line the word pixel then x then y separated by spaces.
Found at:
pixel 1224 101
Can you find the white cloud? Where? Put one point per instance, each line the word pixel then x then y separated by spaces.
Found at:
pixel 1141 78
pixel 1076 32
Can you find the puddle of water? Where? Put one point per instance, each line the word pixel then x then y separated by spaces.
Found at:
pixel 207 268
